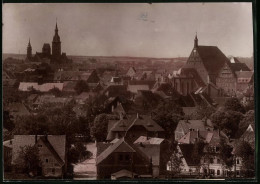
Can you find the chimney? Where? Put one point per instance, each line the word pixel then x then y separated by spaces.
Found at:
pixel 112 108
pixel 120 116
pixel 137 116
pixel 36 138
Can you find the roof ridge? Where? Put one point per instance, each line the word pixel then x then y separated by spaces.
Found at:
pixel 52 150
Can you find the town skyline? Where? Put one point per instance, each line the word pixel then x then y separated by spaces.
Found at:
pixel 141 27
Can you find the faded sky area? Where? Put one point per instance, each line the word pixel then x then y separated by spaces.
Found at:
pixel 141 30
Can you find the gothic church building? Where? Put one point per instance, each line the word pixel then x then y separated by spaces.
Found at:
pixel 209 69
pixel 49 55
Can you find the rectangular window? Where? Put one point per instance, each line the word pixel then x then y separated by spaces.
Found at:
pixel 218 161
pixel 238 161
pixel 46 160
pixel 218 172
pixel 121 157
pixel 39 145
pixel 127 158
pixel 211 160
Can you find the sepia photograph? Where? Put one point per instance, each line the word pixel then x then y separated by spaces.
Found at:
pixel 128 91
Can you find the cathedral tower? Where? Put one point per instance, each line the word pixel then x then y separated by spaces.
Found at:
pixel 29 50
pixel 56 44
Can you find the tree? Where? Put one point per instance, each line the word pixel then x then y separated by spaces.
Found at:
pixel 8 123
pixel 203 111
pixel 175 163
pixel 233 104
pixel 73 155
pixel 56 92
pixel 197 153
pixel 167 115
pixel 83 153
pixel 227 121
pixel 250 106
pixel 249 118
pixel 99 128
pixel 246 152
pixel 225 154
pixel 81 86
pixel 31 124
pixel 28 160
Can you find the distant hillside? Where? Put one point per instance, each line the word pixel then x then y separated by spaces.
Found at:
pixel 15 56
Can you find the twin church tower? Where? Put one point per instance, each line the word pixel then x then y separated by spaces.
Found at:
pixel 54 54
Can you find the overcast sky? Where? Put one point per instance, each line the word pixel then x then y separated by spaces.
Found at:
pixel 143 30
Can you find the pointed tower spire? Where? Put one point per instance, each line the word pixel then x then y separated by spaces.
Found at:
pixel 29 50
pixel 56 28
pixel 56 44
pixel 196 41
pixel 29 44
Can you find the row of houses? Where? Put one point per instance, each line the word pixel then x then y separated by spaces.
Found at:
pixel 136 147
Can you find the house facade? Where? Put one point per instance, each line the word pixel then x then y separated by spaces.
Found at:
pixel 122 156
pixel 52 152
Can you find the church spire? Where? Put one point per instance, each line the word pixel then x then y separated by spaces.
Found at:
pixel 56 44
pixel 29 44
pixel 29 50
pixel 196 41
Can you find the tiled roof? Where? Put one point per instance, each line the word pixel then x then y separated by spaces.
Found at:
pixel 58 142
pixel 26 86
pixel 124 173
pixel 102 146
pixel 211 137
pixel 212 57
pixel 52 150
pixel 239 67
pixel 186 150
pixel 72 75
pixel 115 90
pixel 150 83
pixel 147 123
pixel 123 125
pixel 244 74
pixel 195 124
pixel 149 140
pixel 51 99
pixel 136 88
pixel 120 146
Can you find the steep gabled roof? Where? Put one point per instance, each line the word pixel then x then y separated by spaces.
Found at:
pixel 212 57
pixel 186 150
pixel 120 146
pixel 211 137
pixel 239 67
pixel 58 142
pixel 52 150
pixel 147 123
